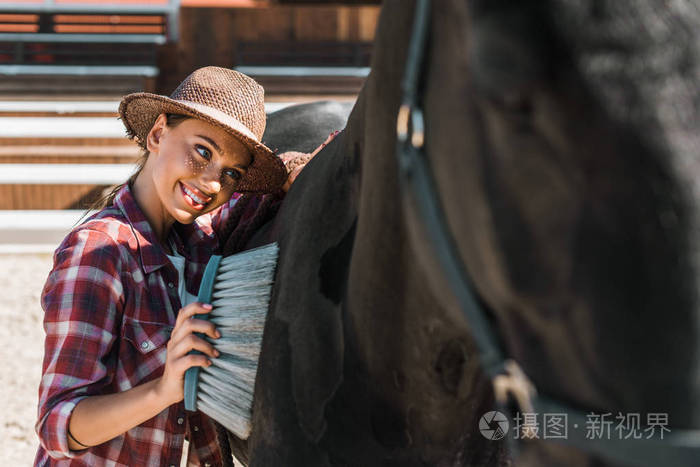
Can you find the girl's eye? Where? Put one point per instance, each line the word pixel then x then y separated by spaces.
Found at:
pixel 204 152
pixel 233 174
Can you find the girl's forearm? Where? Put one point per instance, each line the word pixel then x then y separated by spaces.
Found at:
pixel 97 419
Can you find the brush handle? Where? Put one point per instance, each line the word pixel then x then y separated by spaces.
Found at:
pixel 204 296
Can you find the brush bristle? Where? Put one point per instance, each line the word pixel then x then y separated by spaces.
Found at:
pixel 240 300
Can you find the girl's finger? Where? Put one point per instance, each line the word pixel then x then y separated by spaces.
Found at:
pixel 331 137
pixel 326 142
pixel 184 320
pixel 189 343
pixel 188 361
pixel 194 325
pixel 323 145
pixel 191 310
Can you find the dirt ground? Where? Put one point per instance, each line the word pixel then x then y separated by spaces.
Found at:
pixel 21 279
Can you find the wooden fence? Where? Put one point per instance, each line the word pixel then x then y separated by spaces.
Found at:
pixel 216 36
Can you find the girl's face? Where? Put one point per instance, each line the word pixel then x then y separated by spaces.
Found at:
pixel 193 168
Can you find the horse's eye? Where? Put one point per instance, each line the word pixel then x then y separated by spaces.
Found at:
pixel 517 103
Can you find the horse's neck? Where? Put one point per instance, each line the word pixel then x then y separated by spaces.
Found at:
pixel 377 279
pixel 406 339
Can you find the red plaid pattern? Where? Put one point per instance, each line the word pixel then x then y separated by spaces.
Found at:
pixel 110 304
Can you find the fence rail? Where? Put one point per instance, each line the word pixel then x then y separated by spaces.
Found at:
pixel 35 231
pixel 64 174
pixel 56 17
pixel 85 39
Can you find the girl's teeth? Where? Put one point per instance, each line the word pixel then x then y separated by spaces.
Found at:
pixel 193 196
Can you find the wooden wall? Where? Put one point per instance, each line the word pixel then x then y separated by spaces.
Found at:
pixel 209 36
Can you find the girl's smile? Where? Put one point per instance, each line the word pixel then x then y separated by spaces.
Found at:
pixel 194 197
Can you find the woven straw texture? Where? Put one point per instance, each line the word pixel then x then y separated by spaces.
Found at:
pixel 222 97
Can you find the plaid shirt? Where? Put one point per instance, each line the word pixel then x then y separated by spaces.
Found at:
pixel 110 304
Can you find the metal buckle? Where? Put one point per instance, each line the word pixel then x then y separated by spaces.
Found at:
pixel 514 382
pixel 418 136
pixel 406 111
pixel 402 122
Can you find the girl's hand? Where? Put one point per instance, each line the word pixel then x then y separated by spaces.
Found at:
pixel 182 340
pixel 296 161
pixel 326 142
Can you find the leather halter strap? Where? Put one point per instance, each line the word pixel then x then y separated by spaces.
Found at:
pixel 511 385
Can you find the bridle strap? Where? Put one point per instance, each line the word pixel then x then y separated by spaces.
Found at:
pixel 416 178
pixel 676 448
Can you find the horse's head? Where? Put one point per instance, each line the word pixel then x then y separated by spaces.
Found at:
pixel 564 136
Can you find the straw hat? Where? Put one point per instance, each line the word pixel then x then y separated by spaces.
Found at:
pixel 222 97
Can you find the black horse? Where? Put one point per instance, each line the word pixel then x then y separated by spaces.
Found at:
pixel 303 127
pixel 564 139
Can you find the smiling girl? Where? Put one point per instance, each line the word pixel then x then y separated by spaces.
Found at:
pixel 122 290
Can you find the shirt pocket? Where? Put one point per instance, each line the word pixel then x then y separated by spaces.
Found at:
pixel 146 336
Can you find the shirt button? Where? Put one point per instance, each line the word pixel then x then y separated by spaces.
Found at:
pixel 171 285
pixel 145 345
pixel 195 428
pixel 207 464
pixel 180 420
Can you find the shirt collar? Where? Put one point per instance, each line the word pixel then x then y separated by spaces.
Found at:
pixel 186 238
pixel 150 251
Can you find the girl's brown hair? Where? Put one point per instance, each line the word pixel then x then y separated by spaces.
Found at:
pixel 172 120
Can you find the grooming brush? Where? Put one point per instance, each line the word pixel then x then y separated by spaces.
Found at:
pixel 238 288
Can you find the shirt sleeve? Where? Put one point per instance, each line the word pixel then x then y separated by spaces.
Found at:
pixel 82 301
pixel 220 216
pixel 245 219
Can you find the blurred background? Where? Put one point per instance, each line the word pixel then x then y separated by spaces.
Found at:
pixel 64 65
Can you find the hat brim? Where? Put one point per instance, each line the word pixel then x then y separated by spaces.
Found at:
pixel 139 111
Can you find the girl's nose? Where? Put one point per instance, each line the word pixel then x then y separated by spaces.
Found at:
pixel 211 179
